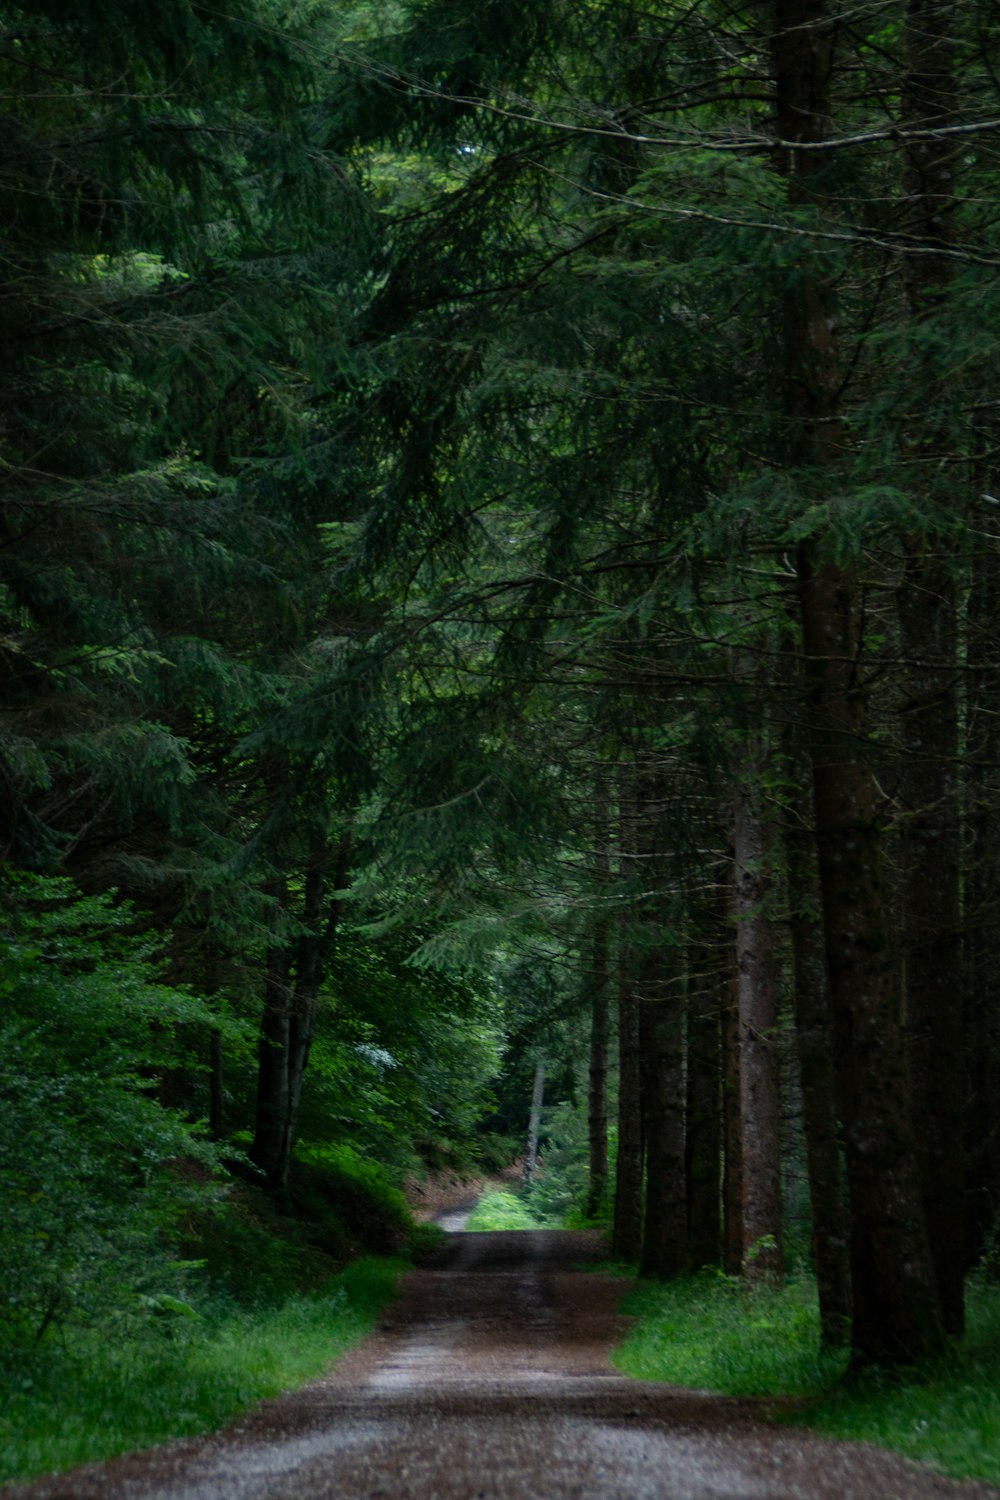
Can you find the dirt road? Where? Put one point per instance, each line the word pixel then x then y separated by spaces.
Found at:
pixel 489 1380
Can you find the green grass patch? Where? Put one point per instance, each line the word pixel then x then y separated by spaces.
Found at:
pixel 90 1396
pixel 948 1417
pixel 506 1210
pixel 707 1332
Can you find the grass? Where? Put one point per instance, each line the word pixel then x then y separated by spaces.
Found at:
pixel 506 1210
pixel 708 1333
pixel 90 1396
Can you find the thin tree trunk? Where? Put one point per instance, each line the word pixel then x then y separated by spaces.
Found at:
pixel 272 1052
pixel 814 1045
pixel 626 1235
pixel 757 998
pixel 599 981
pixel 896 1312
pixel 597 1100
pixel 534 1122
pixel 309 967
pixel 732 1126
pixel 703 1141
pixel 664 1240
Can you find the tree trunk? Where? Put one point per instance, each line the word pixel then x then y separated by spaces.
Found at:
pixel 272 1051
pixel 814 1045
pixel 291 1001
pixel 534 1123
pixel 982 898
pixel 928 788
pixel 626 1234
pixel 664 1239
pixel 599 979
pixel 626 1237
pixel 704 1102
pixel 732 1128
pixel 757 1002
pixel 597 1100
pixel 896 1312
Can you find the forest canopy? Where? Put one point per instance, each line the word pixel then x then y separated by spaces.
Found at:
pixel 498 581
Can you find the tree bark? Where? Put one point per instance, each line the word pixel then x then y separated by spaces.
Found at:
pixel 704 1106
pixel 597 1098
pixel 664 1239
pixel 732 1125
pixel 534 1122
pixel 757 1002
pixel 982 898
pixel 928 788
pixel 599 980
pixel 814 1047
pixel 896 1311
pixel 272 1049
pixel 626 1233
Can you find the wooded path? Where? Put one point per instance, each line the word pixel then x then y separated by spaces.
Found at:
pixel 489 1380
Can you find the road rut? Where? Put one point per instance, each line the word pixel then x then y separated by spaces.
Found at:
pixel 489 1379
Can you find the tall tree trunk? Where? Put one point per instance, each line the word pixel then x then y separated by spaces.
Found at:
pixel 896 1311
pixel 664 1239
pixel 814 1046
pixel 982 897
pixel 705 1001
pixel 732 1125
pixel 757 1001
pixel 626 1234
pixel 599 981
pixel 929 836
pixel 309 967
pixel 597 1098
pixel 272 1049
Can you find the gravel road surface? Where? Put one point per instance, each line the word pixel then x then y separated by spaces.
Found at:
pixel 489 1380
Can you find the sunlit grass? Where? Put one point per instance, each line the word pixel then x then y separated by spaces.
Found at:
pixel 706 1332
pixel 504 1210
pixel 91 1396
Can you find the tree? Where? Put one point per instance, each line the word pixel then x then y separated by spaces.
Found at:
pixel 896 1310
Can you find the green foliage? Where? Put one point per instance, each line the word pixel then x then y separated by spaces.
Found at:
pixel 95 1395
pixel 351 1201
pixel 95 1174
pixel 404 1060
pixel 558 1192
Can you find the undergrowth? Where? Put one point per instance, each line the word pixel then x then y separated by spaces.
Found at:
pixel 89 1396
pixel 707 1332
pixel 507 1209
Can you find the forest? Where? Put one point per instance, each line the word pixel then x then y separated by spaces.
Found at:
pixel 499 582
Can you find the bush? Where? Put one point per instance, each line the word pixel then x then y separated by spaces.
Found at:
pixel 93 1181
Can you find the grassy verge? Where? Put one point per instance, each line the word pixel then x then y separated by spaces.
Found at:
pixel 91 1396
pixel 706 1332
